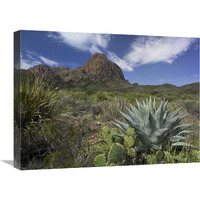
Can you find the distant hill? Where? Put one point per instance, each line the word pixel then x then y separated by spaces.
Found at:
pixel 192 88
pixel 99 73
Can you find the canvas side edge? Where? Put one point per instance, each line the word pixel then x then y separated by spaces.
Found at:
pixel 17 117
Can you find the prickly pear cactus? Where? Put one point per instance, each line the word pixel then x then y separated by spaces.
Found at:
pixel 132 152
pixel 100 161
pixel 114 149
pixel 128 141
pixel 116 154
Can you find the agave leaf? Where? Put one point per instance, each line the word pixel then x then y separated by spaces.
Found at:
pixel 168 135
pixel 160 132
pixel 151 107
pixel 180 129
pixel 134 118
pixel 178 121
pixel 155 147
pixel 152 122
pixel 177 139
pixel 144 138
pixel 130 121
pixel 154 104
pixel 174 113
pixel 146 106
pixel 147 101
pixel 125 116
pixel 120 135
pixel 158 135
pixel 121 125
pixel 142 110
pixel 166 113
pixel 149 125
pixel 159 115
pixel 136 112
pixel 138 104
pixel 171 122
pixel 165 105
pixel 139 149
pixel 184 133
pixel 183 144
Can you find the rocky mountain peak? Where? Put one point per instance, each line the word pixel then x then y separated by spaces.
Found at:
pixel 41 69
pixel 44 69
pixel 100 68
pixel 61 68
pixel 99 56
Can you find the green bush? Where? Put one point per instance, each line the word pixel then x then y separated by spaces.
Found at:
pixel 90 92
pixel 192 107
pixel 101 96
pixel 173 156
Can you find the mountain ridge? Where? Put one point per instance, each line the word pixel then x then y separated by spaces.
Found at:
pixel 99 73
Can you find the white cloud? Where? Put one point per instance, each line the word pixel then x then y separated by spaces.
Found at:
pixel 83 41
pixel 146 50
pixel 29 62
pixel 26 64
pixel 48 61
pixel 196 75
pixel 149 50
pixel 123 63
pixel 93 49
pixel 161 80
pixel 31 58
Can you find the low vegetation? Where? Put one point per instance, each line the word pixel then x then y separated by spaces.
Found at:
pixel 60 128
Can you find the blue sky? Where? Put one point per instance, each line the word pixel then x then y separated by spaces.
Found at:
pixel 146 60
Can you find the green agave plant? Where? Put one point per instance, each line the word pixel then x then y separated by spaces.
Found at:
pixel 156 128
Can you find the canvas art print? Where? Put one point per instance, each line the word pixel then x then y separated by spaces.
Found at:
pixel 93 100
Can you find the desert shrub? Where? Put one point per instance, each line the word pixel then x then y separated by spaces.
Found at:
pixel 36 101
pixel 110 110
pixel 35 144
pixel 36 105
pixel 101 96
pixel 154 92
pixel 111 94
pixel 72 144
pixel 192 107
pixel 90 92
pixel 62 143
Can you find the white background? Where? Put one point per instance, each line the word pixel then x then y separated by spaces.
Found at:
pixel 144 17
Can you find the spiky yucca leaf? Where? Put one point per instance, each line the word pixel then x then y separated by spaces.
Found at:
pixel 155 127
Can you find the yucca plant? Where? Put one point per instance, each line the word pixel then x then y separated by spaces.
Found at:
pixel 34 100
pixel 155 127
